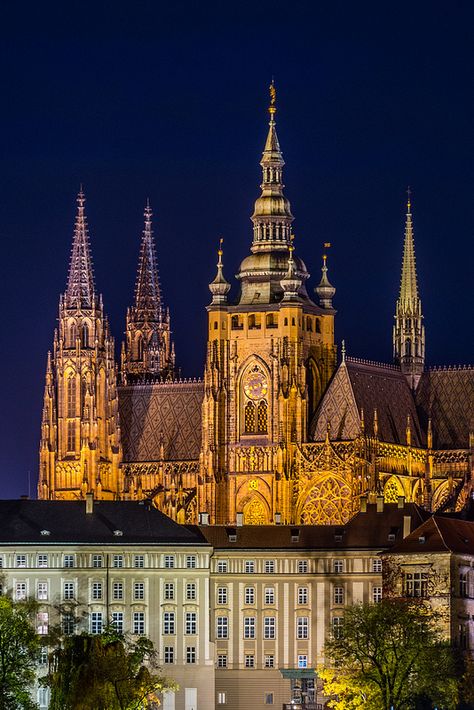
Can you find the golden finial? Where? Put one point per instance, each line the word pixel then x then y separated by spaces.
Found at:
pixel 326 245
pixel 291 246
pixel 409 199
pixel 221 242
pixel 273 94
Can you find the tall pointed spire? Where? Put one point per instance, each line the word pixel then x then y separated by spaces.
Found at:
pixel 409 331
pixel 80 289
pixel 147 290
pixel 272 216
pixel 148 352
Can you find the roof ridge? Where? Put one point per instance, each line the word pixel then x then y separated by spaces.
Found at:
pixel 450 368
pixel 440 533
pixel 363 361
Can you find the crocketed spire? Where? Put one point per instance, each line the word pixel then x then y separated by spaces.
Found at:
pixel 80 289
pixel 409 283
pixel 272 216
pixel 147 290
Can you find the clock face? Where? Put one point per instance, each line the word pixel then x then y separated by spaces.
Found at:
pixel 255 386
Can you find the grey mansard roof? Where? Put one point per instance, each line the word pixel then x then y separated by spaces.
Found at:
pixel 111 523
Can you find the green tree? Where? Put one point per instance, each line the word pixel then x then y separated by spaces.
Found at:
pixel 390 654
pixel 19 648
pixel 104 672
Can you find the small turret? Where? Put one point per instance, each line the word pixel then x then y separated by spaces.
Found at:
pixel 291 282
pixel 220 287
pixel 325 290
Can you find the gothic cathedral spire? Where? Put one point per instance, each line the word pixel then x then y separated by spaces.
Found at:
pixel 80 438
pixel 409 331
pixel 148 352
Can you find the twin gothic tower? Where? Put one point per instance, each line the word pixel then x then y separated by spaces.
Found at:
pixel 270 357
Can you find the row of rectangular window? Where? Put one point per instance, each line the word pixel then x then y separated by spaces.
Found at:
pixel 97 591
pixel 269 566
pixel 97 561
pixel 269 595
pixel 269 627
pixel 96 622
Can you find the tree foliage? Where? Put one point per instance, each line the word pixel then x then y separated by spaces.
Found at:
pixel 19 648
pixel 390 655
pixel 104 672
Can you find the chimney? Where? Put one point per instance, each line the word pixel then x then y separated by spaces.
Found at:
pixel 277 518
pixel 363 504
pixel 401 501
pixel 239 519
pixel 203 518
pixel 89 503
pixel 406 525
pixel 379 504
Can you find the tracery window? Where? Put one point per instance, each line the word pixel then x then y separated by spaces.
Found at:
pixel 262 417
pixel 85 336
pixel 71 436
pixel 250 418
pixel 255 405
pixel 72 335
pixel 71 396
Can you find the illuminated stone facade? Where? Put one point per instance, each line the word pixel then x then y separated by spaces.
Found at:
pixel 276 430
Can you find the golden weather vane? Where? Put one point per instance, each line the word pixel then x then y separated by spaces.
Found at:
pixel 273 94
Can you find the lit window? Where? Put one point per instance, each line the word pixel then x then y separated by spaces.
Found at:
pixel 338 566
pixel 117 591
pixel 169 623
pixel 268 698
pixel 191 591
pixel 302 661
pixel 269 595
pixel 68 590
pixel 68 561
pixel 20 591
pixel 269 661
pixel 269 566
pixel 377 594
pixel 302 566
pixel 97 560
pixel 222 566
pixel 168 654
pixel 269 626
pixel 42 561
pixel 249 627
pixel 302 595
pixel 222 660
pixel 43 697
pixel 376 565
pixel 169 561
pixel 249 567
pixel 416 584
pixel 139 622
pixel 222 627
pixel 139 591
pixel 21 560
pixel 139 561
pixel 117 561
pixel 190 654
pixel 43 656
pixel 42 591
pixel 249 660
pixel 249 595
pixel 96 593
pixel 190 623
pixel 42 621
pixel 96 622
pixel 262 411
pixel 117 621
pixel 222 595
pixel 191 561
pixel 302 627
pixel 169 591
pixel 338 595
pixel 221 697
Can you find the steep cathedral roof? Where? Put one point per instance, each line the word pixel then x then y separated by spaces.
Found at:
pixel 362 386
pixel 161 421
pixel 447 396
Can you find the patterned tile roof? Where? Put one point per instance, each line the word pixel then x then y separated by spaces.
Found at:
pixel 167 414
pixel 362 385
pixel 447 395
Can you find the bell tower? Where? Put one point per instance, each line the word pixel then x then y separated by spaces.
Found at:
pixel 270 355
pixel 408 330
pixel 80 448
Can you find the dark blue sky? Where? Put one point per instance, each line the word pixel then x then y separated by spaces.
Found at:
pixel 141 100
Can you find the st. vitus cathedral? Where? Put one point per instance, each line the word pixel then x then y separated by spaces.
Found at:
pixel 278 429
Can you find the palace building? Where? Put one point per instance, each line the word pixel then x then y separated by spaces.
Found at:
pixel 278 430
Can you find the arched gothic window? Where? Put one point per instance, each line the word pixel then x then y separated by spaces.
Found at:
pixel 71 395
pixel 262 417
pixel 250 419
pixel 72 335
pixel 85 336
pixel 71 436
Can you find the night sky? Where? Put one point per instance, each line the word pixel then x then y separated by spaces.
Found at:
pixel 168 101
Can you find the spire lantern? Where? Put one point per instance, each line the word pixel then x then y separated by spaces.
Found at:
pixel 272 216
pixel 325 290
pixel 220 287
